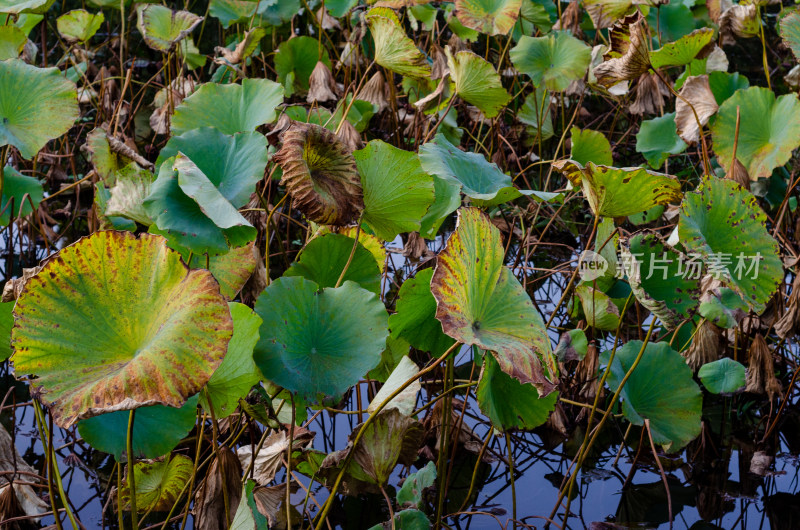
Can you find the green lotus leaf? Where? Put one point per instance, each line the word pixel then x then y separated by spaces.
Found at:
pixel 772 130
pixel 191 220
pixel 229 108
pixel 723 223
pixel 723 85
pixel 658 138
pixel 415 319
pixel 295 60
pixel 109 432
pixel 600 310
pixel 480 302
pixel 682 51
pixel 233 163
pixel 590 146
pixel 164 329
pixel 38 104
pixel 231 12
pixel 492 17
pixel 724 376
pixel 12 42
pixel 556 60
pixel 415 484
pixel 410 519
pixel 133 185
pixel 320 173
pixel 237 374
pixel 101 198
pixel 159 483
pixel 27 21
pixel 572 346
pixel 536 111
pixel 672 404
pixel 232 269
pixel 19 191
pixel 725 309
pixel 659 279
pixel 190 54
pixel 318 343
pixel 619 192
pixel 789 29
pixel 6 323
pixel 15 7
pixel 477 82
pixel 397 190
pixel 478 178
pixel 406 400
pixel 324 258
pixel 393 49
pixel 396 350
pixel 339 8
pixel 647 216
pixel 446 201
pixel 162 28
pixel 278 13
pixel 79 25
pixel 508 403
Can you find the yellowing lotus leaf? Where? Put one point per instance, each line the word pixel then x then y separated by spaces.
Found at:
pixel 393 49
pixel 492 17
pixel 477 82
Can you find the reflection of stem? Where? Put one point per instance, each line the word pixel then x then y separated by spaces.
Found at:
pixel 131 473
pixel 48 462
pixel 2 173
pixel 660 468
pixel 511 479
pixel 474 478
pixel 329 502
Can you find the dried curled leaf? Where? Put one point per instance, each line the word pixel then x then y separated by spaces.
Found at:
pixel 650 94
pixel 629 56
pixel 761 370
pixel 322 85
pixel 374 91
pixel 320 173
pixel 695 92
pixel 739 21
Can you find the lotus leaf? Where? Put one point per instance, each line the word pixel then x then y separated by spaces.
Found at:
pixel 415 484
pixel 447 200
pixel 682 51
pixel 492 17
pixel 133 185
pixel 590 146
pixel 295 60
pixel 12 42
pixel 19 191
pixel 325 257
pixel 159 484
pixel 724 376
pixel 38 104
pixel 6 323
pixel 724 308
pixel 772 131
pixel 162 28
pixel 318 343
pixel 229 108
pixel 789 28
pixel 619 192
pixel 415 319
pixel 79 25
pixel 393 49
pixel 477 82
pixel 24 6
pixel 397 190
pixel 658 138
pixel 232 269
pixel 164 328
pixel 479 301
pixel 600 310
pixel 556 60
pixel 723 223
pixel 672 404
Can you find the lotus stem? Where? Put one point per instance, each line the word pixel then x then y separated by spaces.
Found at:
pixel 329 502
pixel 763 47
pixel 444 441
pixel 215 439
pixel 347 266
pixel 474 478
pixel 40 425
pixel 660 468
pixel 131 464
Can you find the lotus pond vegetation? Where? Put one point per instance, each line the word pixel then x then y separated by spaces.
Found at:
pixel 399 264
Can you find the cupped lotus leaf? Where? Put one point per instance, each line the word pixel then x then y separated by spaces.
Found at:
pixel 237 374
pixel 19 191
pixel 320 174
pixel 318 343
pixel 508 403
pixel 604 13
pixel 590 146
pixel 162 28
pixel 741 20
pixel 132 187
pixel 79 25
pixel 771 131
pixel 163 329
pixel 599 308
pixel 555 60
pixel 411 493
pixel 16 7
pixel 393 49
pixel 480 302
pixel 230 108
pixel 325 257
pixel 789 28
pixel 415 319
pixel 478 178
pixel 234 163
pixel 109 432
pixel 697 92
pixel 38 104
pixel 397 190
pixel 477 82
pixel 295 60
pixel 232 269
pixel 724 308
pixel 658 278
pixel 12 42
pixel 672 404
pixel 492 17
pixel 658 138
pixel 629 55
pixel 684 50
pixel 723 223
pixel 619 192
pixel 724 376
pixel 159 483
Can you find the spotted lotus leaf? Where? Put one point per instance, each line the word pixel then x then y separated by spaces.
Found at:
pixel 492 17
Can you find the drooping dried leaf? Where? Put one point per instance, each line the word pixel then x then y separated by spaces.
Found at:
pixel 162 28
pixel 127 196
pixel 322 85
pixel 224 475
pixel 270 458
pixel 650 95
pixel 374 91
pixel 244 49
pixel 739 20
pixel 761 370
pixel 695 92
pixel 320 173
pixel 629 56
pixel 705 347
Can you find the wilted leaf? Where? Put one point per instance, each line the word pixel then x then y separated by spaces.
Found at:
pixel 159 483
pixel 405 401
pixel 477 82
pixel 393 49
pixel 162 28
pixel 697 92
pixel 600 310
pixel 127 196
pixel 629 56
pixel 492 17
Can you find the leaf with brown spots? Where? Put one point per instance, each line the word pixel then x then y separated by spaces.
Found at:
pixel 480 302
pixel 116 322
